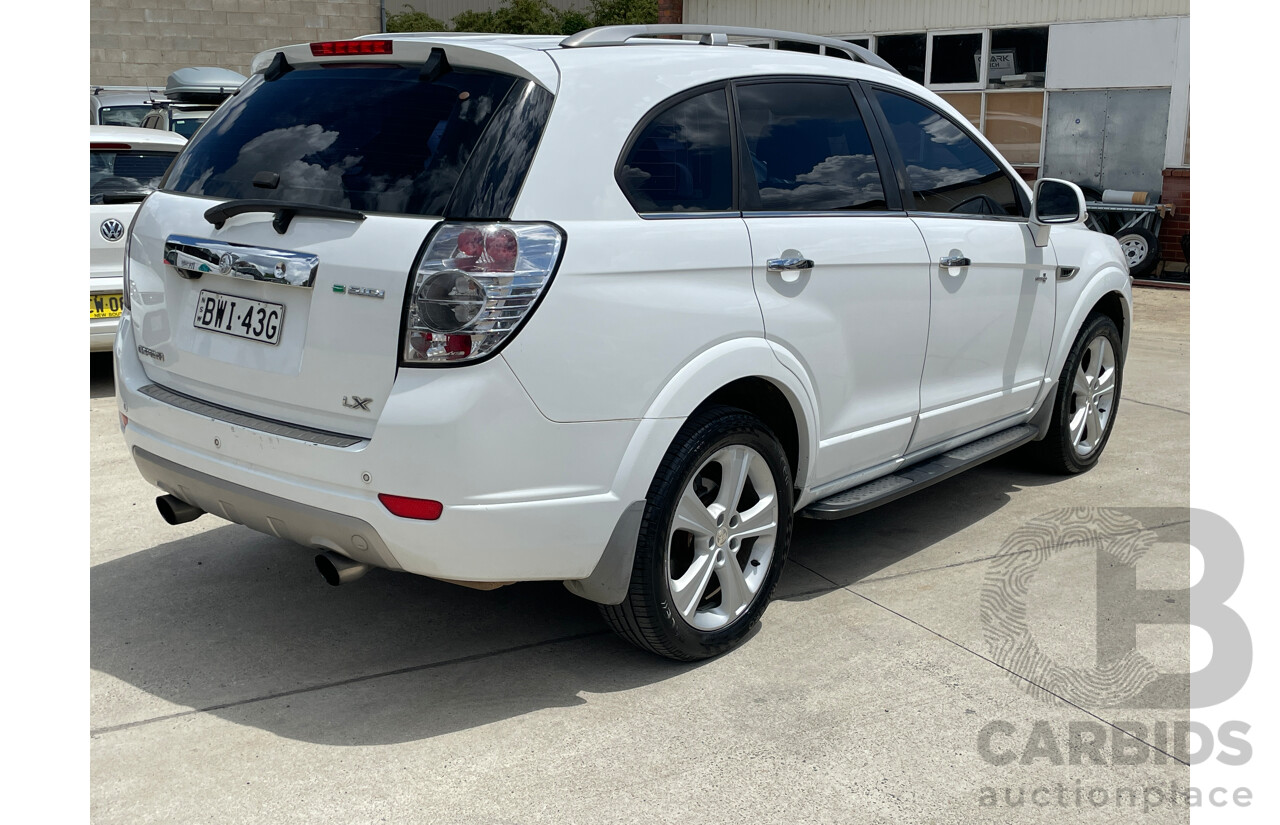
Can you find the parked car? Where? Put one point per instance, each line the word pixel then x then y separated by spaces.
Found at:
pixel 396 306
pixel 190 96
pixel 183 118
pixel 125 165
pixel 120 105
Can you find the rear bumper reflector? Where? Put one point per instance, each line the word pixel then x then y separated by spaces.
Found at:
pixel 405 507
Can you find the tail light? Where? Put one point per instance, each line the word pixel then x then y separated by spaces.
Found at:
pixel 128 242
pixel 475 286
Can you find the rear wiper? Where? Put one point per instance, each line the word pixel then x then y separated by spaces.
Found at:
pixel 285 212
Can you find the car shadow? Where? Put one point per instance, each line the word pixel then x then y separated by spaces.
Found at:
pixel 102 382
pixel 240 625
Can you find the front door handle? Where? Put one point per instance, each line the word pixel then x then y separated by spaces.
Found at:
pixel 789 264
pixel 953 260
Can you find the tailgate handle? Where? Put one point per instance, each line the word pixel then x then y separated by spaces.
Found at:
pixel 285 212
pixel 193 257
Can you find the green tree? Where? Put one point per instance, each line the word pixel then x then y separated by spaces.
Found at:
pixel 623 12
pixel 531 17
pixel 412 20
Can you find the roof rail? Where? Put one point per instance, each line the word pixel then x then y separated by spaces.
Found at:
pixel 711 35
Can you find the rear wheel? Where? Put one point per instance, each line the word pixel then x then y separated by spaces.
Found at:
pixel 712 541
pixel 1086 400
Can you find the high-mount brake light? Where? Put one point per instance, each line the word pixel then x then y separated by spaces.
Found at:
pixel 109 147
pixel 336 48
pixel 475 286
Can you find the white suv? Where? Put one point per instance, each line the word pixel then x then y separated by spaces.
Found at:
pixel 608 310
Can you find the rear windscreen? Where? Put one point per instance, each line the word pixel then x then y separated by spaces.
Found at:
pixel 125 175
pixel 122 115
pixel 373 138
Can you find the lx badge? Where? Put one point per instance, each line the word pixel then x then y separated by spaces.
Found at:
pixel 357 403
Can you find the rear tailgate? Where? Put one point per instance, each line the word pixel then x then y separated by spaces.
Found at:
pixel 326 359
pixel 334 171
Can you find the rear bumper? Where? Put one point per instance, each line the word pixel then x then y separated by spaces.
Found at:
pixel 102 331
pixel 525 498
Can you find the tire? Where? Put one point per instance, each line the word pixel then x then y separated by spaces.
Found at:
pixel 1079 429
pixel 1141 248
pixel 683 601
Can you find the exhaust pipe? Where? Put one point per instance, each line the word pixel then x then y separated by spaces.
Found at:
pixel 176 511
pixel 338 569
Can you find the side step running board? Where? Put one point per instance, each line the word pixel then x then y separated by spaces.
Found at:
pixel 889 488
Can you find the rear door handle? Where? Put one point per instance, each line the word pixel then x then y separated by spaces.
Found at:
pixel 953 260
pixel 789 264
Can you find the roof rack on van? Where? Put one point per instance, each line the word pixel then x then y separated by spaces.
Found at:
pixel 709 35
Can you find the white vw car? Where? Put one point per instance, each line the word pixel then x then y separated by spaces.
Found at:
pixel 609 309
pixel 125 164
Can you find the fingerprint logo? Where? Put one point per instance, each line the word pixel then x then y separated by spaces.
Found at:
pixel 1115 680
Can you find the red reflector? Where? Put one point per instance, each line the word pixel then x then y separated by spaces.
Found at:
pixel 419 508
pixel 110 147
pixel 333 48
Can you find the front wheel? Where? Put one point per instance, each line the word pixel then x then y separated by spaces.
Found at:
pixel 1086 400
pixel 713 539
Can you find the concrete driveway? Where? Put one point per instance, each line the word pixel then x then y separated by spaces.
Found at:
pixel 230 684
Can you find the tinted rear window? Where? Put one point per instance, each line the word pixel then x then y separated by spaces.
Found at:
pixel 372 138
pixel 125 172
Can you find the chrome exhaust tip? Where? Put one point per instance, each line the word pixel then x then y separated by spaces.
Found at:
pixel 338 569
pixel 176 511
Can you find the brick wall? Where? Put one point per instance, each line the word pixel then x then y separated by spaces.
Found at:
pixel 1177 191
pixel 670 11
pixel 139 42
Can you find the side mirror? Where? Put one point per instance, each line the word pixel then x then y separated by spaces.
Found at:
pixel 1055 202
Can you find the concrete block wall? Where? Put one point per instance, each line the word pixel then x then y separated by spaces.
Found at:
pixel 139 42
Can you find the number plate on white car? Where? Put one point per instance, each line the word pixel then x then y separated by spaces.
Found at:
pixel 242 317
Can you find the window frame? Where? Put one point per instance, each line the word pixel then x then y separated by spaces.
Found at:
pixel 660 109
pixel 966 128
pixel 748 190
pixel 983 58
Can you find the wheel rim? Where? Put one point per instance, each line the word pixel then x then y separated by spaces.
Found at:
pixel 1093 396
pixel 1135 249
pixel 722 538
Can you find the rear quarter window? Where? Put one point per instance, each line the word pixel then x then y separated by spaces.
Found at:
pixel 681 160
pixel 373 138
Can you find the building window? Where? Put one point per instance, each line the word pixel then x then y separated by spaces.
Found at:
pixel 968 104
pixel 904 52
pixel 1017 58
pixel 955 60
pixel 1014 123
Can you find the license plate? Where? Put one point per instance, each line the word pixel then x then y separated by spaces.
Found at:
pixel 107 305
pixel 241 317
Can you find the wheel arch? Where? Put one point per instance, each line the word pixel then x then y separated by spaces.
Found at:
pixel 743 373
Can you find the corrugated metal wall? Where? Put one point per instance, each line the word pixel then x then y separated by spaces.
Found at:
pixel 871 16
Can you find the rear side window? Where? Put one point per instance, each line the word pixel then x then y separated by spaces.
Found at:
pixel 681 160
pixel 373 138
pixel 947 171
pixel 125 175
pixel 809 148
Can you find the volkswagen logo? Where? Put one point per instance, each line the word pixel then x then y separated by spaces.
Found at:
pixel 112 229
pixel 226 262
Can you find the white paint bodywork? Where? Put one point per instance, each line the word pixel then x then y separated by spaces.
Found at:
pixel 537 452
pixel 106 258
